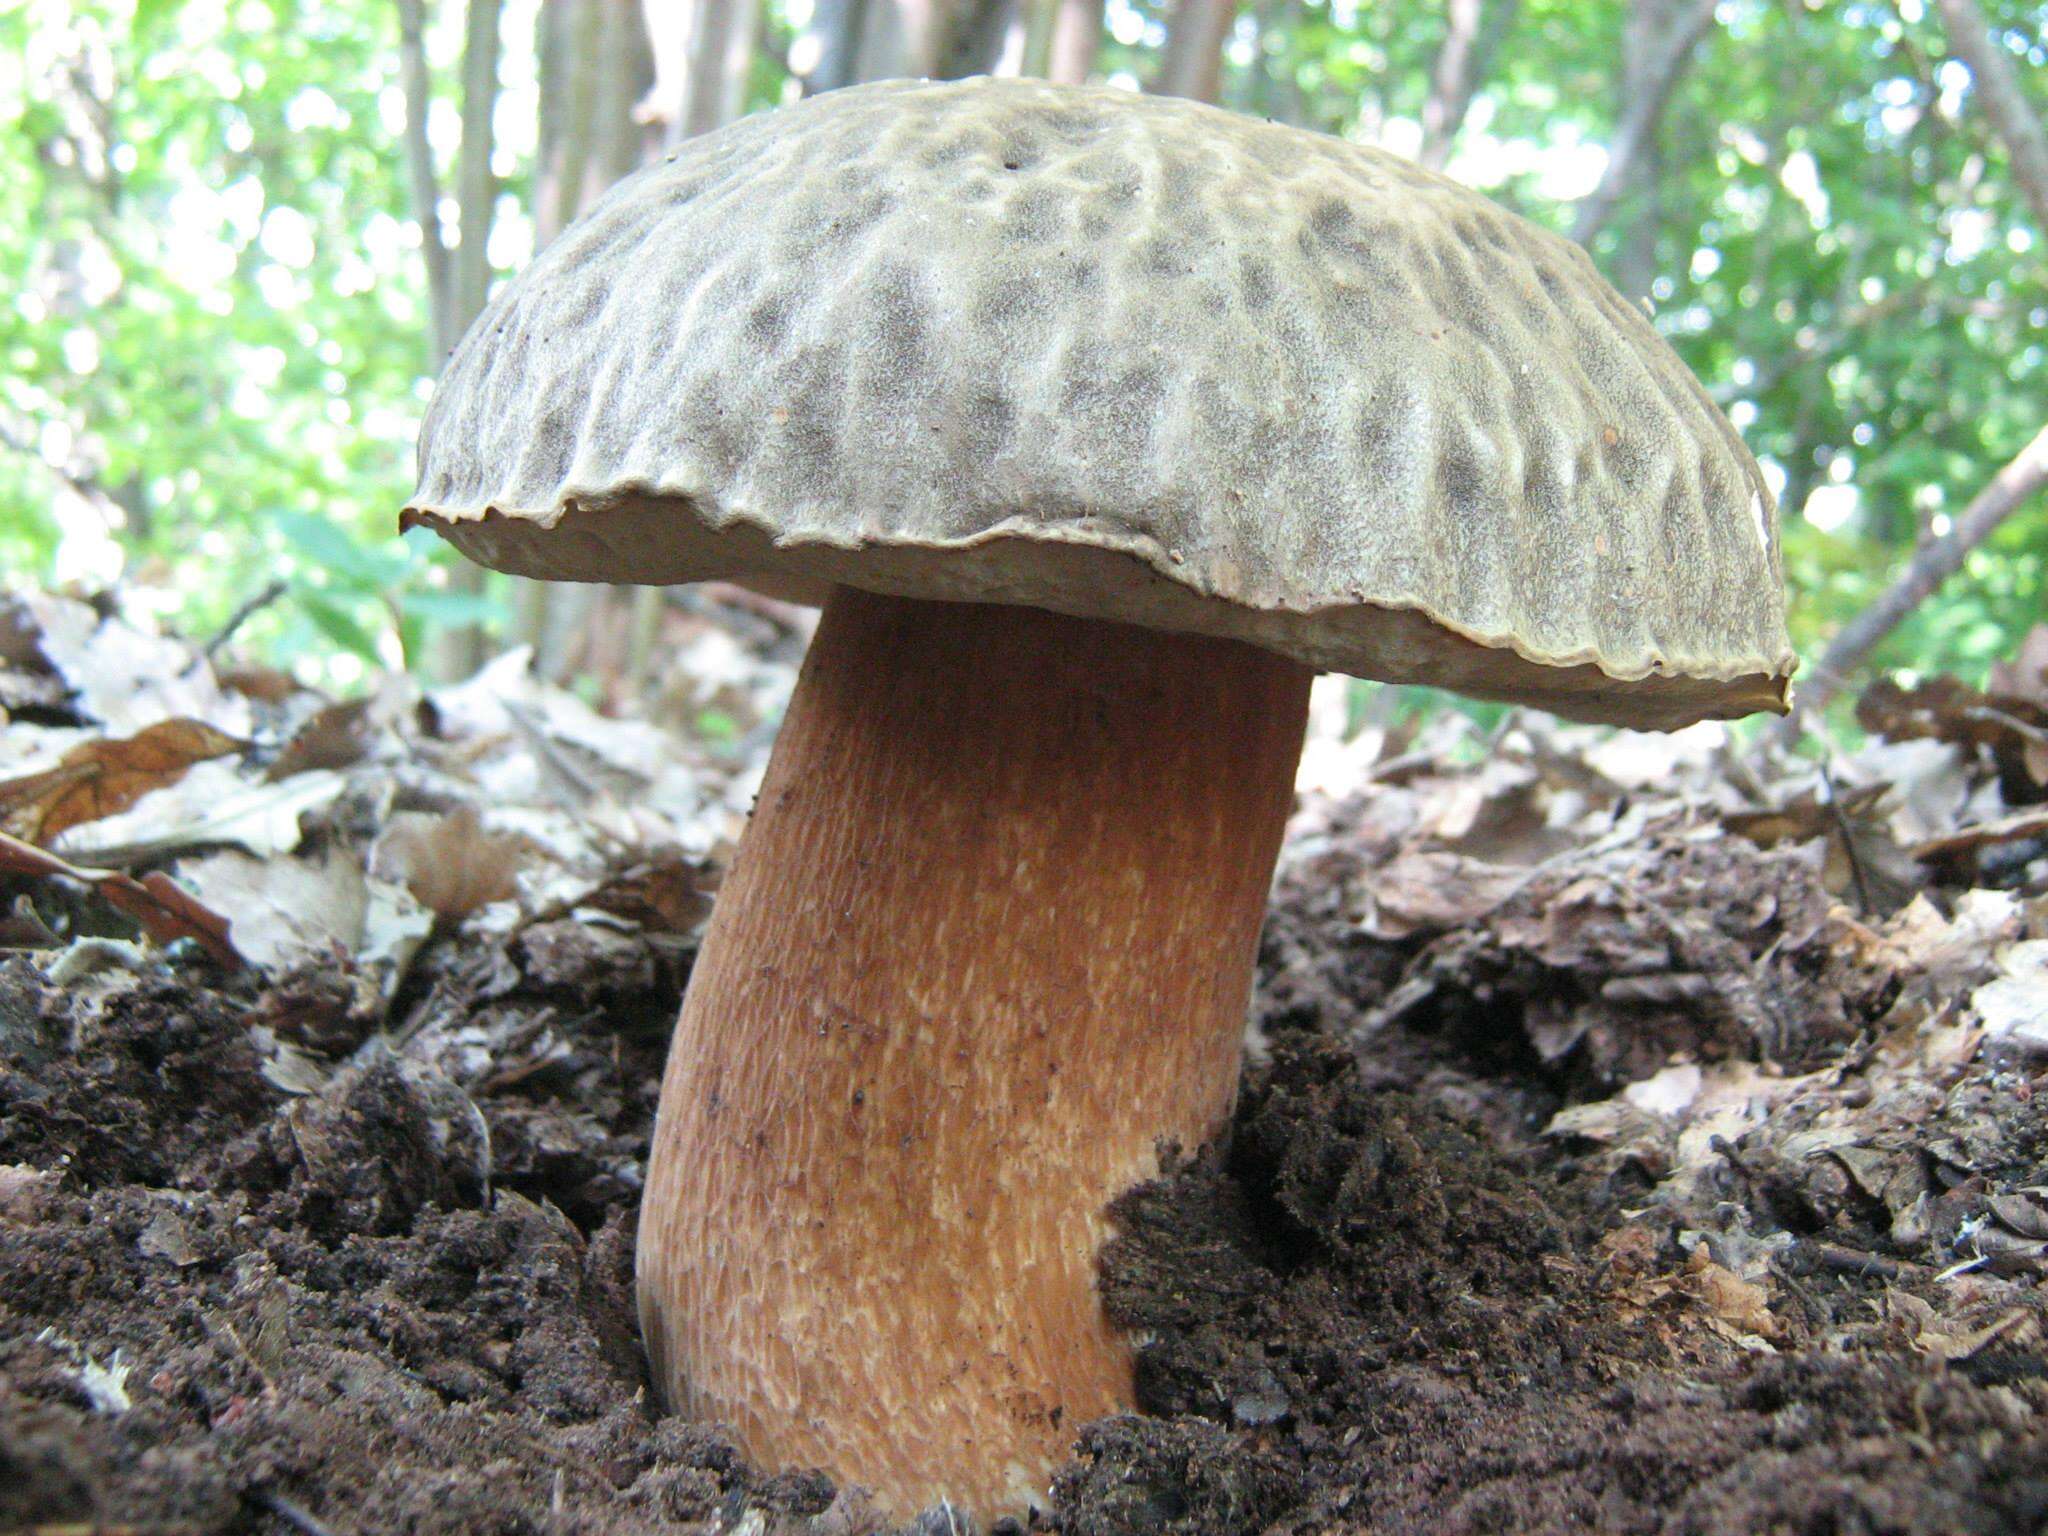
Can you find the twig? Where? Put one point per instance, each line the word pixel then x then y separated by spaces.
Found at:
pixel 1842 826
pixel 249 609
pixel 1931 564
pixel 1839 1260
pixel 294 1515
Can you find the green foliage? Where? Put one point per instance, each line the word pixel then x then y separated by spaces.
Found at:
pixel 213 349
pixel 217 312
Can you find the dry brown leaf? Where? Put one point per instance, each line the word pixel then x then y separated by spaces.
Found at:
pixel 2012 726
pixel 1863 864
pixel 1983 834
pixel 669 894
pixel 123 676
pixel 335 736
pixel 102 778
pixel 164 909
pixel 1424 892
pixel 24 1190
pixel 2025 676
pixel 1740 1304
pixel 450 863
pixel 1736 1309
pixel 22 927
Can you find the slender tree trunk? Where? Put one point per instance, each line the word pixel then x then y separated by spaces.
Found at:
pixel 702 57
pixel 1040 18
pixel 476 187
pixel 598 92
pixel 426 185
pixel 568 112
pixel 834 41
pixel 965 37
pixel 1679 24
pixel 460 650
pixel 1472 33
pixel 457 281
pixel 1635 255
pixel 569 51
pixel 721 56
pixel 1932 564
pixel 2004 101
pixel 1076 39
pixel 1193 61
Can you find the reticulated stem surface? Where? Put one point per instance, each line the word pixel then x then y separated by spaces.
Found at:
pixel 987 944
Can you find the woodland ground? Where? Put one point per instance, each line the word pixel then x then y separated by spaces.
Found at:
pixel 1630 1144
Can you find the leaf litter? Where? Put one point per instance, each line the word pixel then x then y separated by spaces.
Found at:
pixel 1641 1133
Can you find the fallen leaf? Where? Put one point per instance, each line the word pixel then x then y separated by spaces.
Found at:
pixel 286 910
pixel 1425 892
pixel 1670 1092
pixel 212 805
pixel 452 865
pixel 334 736
pixel 101 778
pixel 164 910
pixel 125 678
pixel 23 1191
pixel 2014 1006
pixel 2012 727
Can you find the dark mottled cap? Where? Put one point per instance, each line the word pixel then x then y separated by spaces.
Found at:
pixel 1130 357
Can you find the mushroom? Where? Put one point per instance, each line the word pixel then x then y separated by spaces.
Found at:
pixel 1097 422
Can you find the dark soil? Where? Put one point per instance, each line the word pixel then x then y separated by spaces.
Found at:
pixel 395 1296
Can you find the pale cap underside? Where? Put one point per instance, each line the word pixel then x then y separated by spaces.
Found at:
pixel 1131 358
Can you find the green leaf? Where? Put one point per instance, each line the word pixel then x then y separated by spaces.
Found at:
pixel 339 625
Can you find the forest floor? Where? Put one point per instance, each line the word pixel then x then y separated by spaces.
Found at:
pixel 1640 1136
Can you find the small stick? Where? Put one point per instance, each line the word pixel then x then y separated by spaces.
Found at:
pixel 1851 1261
pixel 292 1514
pixel 1848 840
pixel 252 606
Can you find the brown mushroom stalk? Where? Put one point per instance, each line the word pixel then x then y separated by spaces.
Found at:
pixel 987 946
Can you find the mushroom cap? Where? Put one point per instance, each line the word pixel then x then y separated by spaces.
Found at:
pixel 1129 357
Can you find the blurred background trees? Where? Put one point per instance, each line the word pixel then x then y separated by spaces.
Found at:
pixel 237 237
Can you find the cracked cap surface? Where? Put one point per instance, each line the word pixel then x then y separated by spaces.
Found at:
pixel 1130 357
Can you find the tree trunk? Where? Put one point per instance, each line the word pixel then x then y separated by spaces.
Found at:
pixel 597 83
pixel 1076 39
pixel 2004 101
pixel 568 48
pixel 465 273
pixel 1193 61
pixel 426 185
pixel 1932 564
pixel 930 39
pixel 1461 64
pixel 476 187
pixel 1663 35
pixel 966 38
pixel 834 41
pixel 702 57
pixel 721 57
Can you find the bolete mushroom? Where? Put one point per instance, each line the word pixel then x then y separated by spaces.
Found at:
pixel 1097 422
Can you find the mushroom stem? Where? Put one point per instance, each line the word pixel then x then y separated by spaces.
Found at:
pixel 987 946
